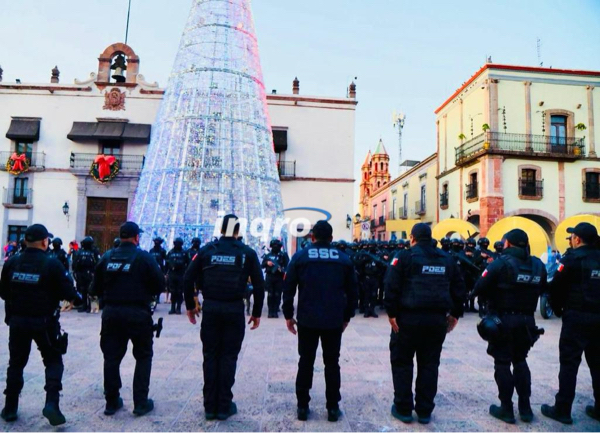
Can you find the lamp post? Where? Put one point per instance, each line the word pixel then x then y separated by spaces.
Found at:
pixel 65 210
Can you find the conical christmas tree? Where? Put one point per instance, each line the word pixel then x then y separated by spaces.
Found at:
pixel 211 151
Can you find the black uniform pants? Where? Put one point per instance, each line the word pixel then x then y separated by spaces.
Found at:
pixel 274 287
pixel 222 332
pixel 175 284
pixel 361 294
pixel 580 334
pixel 512 349
pixel 308 342
pixel 370 286
pixel 420 334
pixel 120 324
pixel 84 279
pixel 44 331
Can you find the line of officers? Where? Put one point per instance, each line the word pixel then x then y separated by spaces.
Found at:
pixel 424 294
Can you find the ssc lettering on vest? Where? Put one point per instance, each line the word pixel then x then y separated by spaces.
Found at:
pixel 323 253
pixel 22 277
pixel 528 279
pixel 433 270
pixel 114 267
pixel 222 260
pixel 596 274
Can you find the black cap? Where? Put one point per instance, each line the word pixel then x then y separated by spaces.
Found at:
pixel 322 230
pixel 421 232
pixel 129 230
pixel 586 231
pixel 37 232
pixel 517 238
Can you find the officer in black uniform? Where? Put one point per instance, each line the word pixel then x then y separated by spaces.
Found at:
pixel 196 247
pixel 32 285
pixel 127 278
pixel 275 263
pixel 84 264
pixel 372 267
pixel 512 286
pixel 487 256
pixel 177 263
pixel 327 274
pixel 575 295
pixel 58 253
pixel 422 285
pixel 498 248
pixel 220 272
pixel 446 244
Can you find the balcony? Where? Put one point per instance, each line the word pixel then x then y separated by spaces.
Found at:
pixel 381 221
pixel 391 215
pixel 287 169
pixel 444 200
pixel 131 163
pixel 403 213
pixel 471 191
pixel 420 208
pixel 527 145
pixel 373 224
pixel 591 191
pixel 17 198
pixel 36 160
pixel 531 189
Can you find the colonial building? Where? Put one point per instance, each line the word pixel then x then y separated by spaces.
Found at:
pixel 59 139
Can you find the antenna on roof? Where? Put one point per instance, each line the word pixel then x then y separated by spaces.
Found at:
pixel 539 52
pixel 127 28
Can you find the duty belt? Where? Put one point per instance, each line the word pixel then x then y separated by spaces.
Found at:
pixel 516 312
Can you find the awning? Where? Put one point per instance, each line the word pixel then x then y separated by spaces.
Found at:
pixel 94 131
pixel 280 140
pixel 24 129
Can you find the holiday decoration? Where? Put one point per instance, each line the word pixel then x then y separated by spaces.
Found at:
pixel 17 164
pixel 211 151
pixel 104 168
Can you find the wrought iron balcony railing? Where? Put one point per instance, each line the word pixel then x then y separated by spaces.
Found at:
pixel 126 162
pixel 381 220
pixel 541 146
pixel 17 197
pixel 420 207
pixel 36 160
pixel 391 215
pixel 471 191
pixel 531 188
pixel 402 213
pixel 444 199
pixel 287 169
pixel 591 191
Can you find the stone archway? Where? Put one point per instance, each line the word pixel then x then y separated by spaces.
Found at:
pixel 544 219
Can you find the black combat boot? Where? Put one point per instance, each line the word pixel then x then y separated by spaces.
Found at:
pixel 11 407
pixel 503 413
pixel 525 412
pixel 222 416
pixel 143 409
pixel 333 414
pixel 52 410
pixel 113 405
pixel 556 414
pixel 172 310
pixel 303 413
pixel 178 308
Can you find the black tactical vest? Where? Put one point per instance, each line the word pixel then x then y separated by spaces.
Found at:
pixel 86 260
pixel 585 291
pixel 123 279
pixel 223 277
pixel 428 286
pixel 519 289
pixel 29 293
pixel 158 254
pixel 177 260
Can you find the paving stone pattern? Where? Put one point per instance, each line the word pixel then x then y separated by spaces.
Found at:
pixel 264 389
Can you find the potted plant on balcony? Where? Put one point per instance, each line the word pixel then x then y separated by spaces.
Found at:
pixel 580 127
pixel 461 136
pixel 485 128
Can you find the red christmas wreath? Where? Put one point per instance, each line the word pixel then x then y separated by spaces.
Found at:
pixel 104 168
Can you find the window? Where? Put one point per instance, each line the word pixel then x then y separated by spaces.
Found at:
pixel 394 208
pixel 375 212
pixel 383 208
pixel 25 147
pixel 20 192
pixel 591 186
pixel 405 204
pixel 16 233
pixel 529 185
pixel 110 147
pixel 472 191
pixel 423 196
pixel 558 130
pixel 444 196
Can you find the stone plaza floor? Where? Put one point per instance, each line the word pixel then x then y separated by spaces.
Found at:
pixel 264 389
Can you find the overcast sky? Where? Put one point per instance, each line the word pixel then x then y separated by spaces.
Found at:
pixel 408 55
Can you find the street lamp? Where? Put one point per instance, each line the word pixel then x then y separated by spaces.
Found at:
pixel 357 218
pixel 65 210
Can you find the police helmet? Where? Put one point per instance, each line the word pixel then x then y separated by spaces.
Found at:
pixel 483 242
pixel 342 245
pixel 335 244
pixel 372 243
pixel 445 242
pixel 275 243
pixel 393 244
pixel 471 242
pixel 196 241
pixel 158 240
pixel 178 241
pixel 116 242
pixel 57 241
pixel 490 328
pixel 499 246
pixel 88 241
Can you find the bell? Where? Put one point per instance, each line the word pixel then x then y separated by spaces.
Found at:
pixel 118 75
pixel 120 67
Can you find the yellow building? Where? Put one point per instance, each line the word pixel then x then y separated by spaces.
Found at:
pixel 519 141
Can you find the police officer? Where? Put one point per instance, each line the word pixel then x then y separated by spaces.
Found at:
pixel 177 263
pixel 58 253
pixel 196 247
pixel 327 274
pixel 84 265
pixel 160 255
pixel 446 244
pixel 372 267
pixel 487 256
pixel 220 272
pixel 512 286
pixel 275 263
pixel 32 285
pixel 575 295
pixel 498 248
pixel 127 278
pixel 422 285
pixel 116 242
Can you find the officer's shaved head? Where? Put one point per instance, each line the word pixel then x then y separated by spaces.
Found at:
pixel 230 226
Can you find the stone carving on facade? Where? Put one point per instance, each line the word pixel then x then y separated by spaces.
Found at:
pixel 90 80
pixel 114 100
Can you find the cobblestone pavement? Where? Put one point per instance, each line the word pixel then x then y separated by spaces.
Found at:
pixel 264 389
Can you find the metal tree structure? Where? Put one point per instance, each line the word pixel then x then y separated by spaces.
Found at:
pixel 211 150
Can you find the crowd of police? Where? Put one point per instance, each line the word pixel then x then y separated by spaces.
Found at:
pixel 423 288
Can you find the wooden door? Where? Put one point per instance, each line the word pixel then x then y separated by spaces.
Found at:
pixel 104 217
